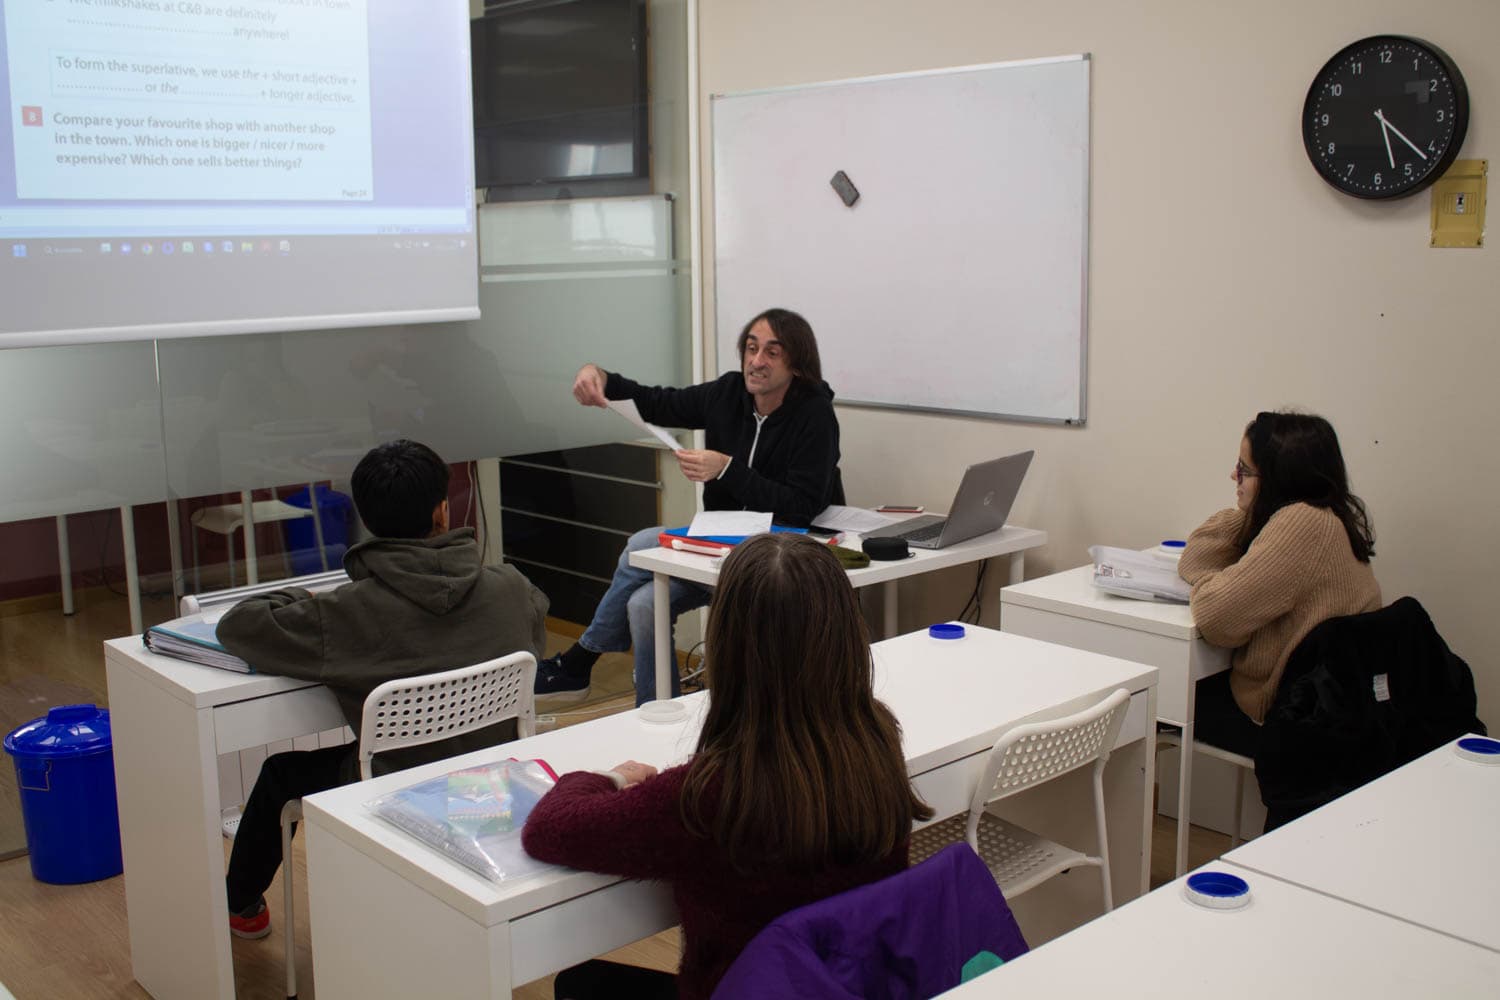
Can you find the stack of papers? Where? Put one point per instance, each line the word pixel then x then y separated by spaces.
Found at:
pixel 193 638
pixel 1141 575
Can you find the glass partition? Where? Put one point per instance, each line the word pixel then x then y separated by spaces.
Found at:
pixel 156 446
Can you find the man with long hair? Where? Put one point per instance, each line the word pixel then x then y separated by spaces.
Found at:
pixel 772 445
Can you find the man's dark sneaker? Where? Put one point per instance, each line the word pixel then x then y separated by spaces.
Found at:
pixel 554 681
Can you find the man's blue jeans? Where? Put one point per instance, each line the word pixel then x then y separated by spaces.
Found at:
pixel 625 616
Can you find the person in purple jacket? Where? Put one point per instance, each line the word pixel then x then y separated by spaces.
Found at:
pixel 773 446
pixel 797 790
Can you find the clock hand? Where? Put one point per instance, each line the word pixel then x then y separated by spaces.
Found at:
pixel 1399 135
pixel 1386 135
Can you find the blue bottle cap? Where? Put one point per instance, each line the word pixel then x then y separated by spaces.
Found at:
pixel 946 631
pixel 1218 890
pixel 1480 749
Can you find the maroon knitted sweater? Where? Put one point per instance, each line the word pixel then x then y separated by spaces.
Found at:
pixel 585 822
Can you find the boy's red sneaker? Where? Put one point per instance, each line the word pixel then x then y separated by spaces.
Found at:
pixel 256 926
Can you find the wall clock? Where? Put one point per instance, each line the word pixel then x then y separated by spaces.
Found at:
pixel 1385 117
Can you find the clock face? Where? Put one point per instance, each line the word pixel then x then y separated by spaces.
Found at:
pixel 1385 117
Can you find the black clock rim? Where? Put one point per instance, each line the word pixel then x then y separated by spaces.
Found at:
pixel 1460 117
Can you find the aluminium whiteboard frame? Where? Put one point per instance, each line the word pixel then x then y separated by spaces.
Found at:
pixel 1083 305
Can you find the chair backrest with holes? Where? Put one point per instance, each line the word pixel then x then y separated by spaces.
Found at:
pixel 1030 754
pixel 430 707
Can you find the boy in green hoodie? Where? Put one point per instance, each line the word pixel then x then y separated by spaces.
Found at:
pixel 419 600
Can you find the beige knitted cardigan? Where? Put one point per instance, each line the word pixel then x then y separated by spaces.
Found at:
pixel 1298 572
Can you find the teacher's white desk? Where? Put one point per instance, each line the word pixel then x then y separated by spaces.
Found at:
pixel 1067 608
pixel 1288 942
pixel 669 564
pixel 1421 844
pixel 392 917
pixel 171 720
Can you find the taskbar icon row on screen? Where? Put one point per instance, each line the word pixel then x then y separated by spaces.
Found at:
pixel 147 248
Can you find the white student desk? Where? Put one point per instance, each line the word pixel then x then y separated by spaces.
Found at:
pixel 392 917
pixel 1067 608
pixel 171 719
pixel 1288 942
pixel 667 564
pixel 1421 844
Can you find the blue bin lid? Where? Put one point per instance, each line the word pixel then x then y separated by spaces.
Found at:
pixel 66 731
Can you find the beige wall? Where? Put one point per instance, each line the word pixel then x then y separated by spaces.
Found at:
pixel 1225 278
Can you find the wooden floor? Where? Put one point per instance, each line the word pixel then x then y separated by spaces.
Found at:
pixel 63 942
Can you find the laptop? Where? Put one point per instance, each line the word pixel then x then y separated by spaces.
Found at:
pixel 982 504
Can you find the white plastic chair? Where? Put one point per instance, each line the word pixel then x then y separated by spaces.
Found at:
pixel 423 709
pixel 1242 766
pixel 1023 757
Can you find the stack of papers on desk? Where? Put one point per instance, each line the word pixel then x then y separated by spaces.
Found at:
pixel 193 638
pixel 1140 575
pixel 473 815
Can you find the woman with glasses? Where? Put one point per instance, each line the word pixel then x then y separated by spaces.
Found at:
pixel 1293 552
pixel 797 790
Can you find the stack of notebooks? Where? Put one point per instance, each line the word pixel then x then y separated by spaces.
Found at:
pixel 193 638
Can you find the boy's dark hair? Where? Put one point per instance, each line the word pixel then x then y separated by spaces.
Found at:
pixel 397 486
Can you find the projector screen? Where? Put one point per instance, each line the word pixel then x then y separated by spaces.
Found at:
pixel 180 168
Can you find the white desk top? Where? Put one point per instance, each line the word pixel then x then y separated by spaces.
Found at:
pixel 1288 942
pixel 1419 843
pixel 705 569
pixel 1072 592
pixel 193 683
pixel 952 699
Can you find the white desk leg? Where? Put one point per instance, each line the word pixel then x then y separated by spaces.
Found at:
pixel 661 599
pixel 252 577
pixel 369 924
pixel 1184 790
pixel 132 577
pixel 1148 792
pixel 64 564
pixel 166 776
pixel 312 499
pixel 1017 568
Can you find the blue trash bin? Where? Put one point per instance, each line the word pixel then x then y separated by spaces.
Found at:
pixel 334 509
pixel 65 769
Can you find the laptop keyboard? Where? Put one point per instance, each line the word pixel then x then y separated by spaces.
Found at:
pixel 925 534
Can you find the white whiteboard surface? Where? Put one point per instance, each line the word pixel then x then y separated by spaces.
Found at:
pixel 959 279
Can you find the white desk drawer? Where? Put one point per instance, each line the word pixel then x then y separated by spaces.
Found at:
pixel 284 716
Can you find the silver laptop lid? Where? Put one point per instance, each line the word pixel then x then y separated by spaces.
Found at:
pixel 984 498
pixel 981 504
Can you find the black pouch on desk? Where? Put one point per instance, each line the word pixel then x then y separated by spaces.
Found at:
pixel 850 559
pixel 885 549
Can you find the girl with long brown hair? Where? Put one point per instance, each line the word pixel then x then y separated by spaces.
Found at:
pixel 797 790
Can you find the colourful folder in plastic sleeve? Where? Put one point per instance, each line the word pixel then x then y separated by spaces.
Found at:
pixel 474 815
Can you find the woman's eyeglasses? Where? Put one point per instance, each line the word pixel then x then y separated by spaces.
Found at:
pixel 1243 472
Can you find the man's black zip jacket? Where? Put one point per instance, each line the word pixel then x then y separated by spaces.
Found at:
pixel 793 472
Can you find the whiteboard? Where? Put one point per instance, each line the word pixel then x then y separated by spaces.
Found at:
pixel 958 281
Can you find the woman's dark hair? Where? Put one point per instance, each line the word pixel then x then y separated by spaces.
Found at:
pixel 798 767
pixel 796 338
pixel 397 486
pixel 1298 460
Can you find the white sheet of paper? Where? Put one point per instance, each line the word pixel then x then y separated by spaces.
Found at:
pixel 733 523
pixel 855 519
pixel 627 409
